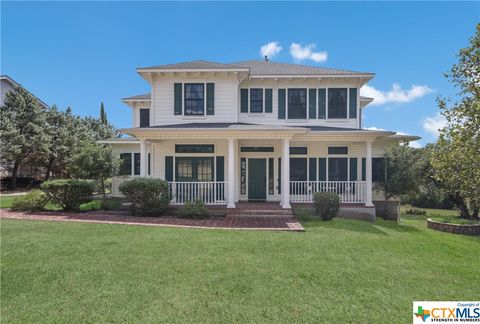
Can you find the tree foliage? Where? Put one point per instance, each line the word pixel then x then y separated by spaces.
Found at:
pixel 22 131
pixel 95 162
pixel 456 155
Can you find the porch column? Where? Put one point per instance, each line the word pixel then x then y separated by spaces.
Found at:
pixel 368 174
pixel 286 173
pixel 143 157
pixel 231 173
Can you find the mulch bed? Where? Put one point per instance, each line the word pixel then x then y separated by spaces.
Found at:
pixel 228 222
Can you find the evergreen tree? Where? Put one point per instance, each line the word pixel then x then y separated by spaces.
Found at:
pixel 22 131
pixel 103 114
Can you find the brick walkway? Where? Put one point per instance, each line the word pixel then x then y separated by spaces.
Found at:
pixel 278 223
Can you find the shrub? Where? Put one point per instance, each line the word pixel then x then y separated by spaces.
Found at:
pixel 34 200
pixel 110 204
pixel 195 209
pixel 326 204
pixel 147 196
pixel 69 194
pixel 414 211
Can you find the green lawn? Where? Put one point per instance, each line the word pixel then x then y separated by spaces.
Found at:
pixel 344 270
pixel 6 201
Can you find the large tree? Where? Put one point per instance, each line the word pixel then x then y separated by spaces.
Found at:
pixel 456 156
pixel 94 161
pixel 22 131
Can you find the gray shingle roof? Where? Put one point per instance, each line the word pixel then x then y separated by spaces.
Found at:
pixel 145 96
pixel 276 68
pixel 193 65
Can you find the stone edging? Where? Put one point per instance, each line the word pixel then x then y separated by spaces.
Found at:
pixel 468 229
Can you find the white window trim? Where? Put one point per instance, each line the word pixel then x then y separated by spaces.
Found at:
pixel 202 116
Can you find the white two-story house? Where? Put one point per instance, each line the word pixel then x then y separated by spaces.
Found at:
pixel 254 131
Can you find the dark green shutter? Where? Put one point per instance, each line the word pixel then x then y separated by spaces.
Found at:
pixel 268 100
pixel 281 103
pixel 169 168
pixel 149 166
pixel 322 169
pixel 136 163
pixel 353 103
pixel 271 180
pixel 244 100
pixel 322 97
pixel 220 168
pixel 353 169
pixel 312 169
pixel 178 98
pixel 312 103
pixel 279 175
pixel 364 168
pixel 210 98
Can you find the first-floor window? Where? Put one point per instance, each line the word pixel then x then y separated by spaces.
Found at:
pixel 194 169
pixel 256 100
pixel 337 169
pixel 194 99
pixel 136 164
pixel 126 164
pixel 297 103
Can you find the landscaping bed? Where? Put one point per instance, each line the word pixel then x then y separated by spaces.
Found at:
pixel 469 228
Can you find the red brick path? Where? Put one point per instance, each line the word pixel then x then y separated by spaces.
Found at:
pixel 278 223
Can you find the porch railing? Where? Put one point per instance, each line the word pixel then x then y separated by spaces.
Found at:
pixel 349 191
pixel 211 193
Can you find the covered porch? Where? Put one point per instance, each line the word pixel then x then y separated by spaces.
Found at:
pixel 235 163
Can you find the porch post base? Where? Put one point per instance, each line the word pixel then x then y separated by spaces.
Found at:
pixel 369 204
pixel 286 206
pixel 231 205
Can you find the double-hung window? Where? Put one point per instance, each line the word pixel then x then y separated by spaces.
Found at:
pixel 194 99
pixel 297 103
pixel 256 100
pixel 337 103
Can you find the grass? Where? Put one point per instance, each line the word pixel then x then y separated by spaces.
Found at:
pixel 96 204
pixel 338 271
pixel 6 201
pixel 450 216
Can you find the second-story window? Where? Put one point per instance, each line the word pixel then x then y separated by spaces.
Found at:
pixel 256 100
pixel 337 103
pixel 297 103
pixel 144 117
pixel 194 99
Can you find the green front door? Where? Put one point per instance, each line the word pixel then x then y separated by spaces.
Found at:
pixel 257 182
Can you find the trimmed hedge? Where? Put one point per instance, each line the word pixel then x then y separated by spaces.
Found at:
pixel 327 204
pixel 195 209
pixel 147 196
pixel 69 193
pixel 34 200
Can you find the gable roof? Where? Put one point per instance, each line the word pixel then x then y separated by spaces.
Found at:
pixel 15 85
pixel 262 67
pixel 193 65
pixel 142 97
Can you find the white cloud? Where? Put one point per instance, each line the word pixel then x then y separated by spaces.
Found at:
pixel 433 124
pixel 415 144
pixel 374 128
pixel 271 49
pixel 300 53
pixel 395 95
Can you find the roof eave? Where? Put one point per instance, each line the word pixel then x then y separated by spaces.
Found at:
pixel 367 76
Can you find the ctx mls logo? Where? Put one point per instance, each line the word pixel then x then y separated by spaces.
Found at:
pixel 442 311
pixel 422 313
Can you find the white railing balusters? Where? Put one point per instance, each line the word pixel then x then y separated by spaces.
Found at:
pixel 211 192
pixel 349 191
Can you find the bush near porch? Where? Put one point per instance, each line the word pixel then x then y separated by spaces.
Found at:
pixel 147 196
pixel 334 272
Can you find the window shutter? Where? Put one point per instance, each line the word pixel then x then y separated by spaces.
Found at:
pixel 220 168
pixel 144 117
pixel 312 103
pixel 322 169
pixel 178 99
pixel 149 164
pixel 169 168
pixel 353 169
pixel 353 103
pixel 364 168
pixel 322 98
pixel 312 169
pixel 268 100
pixel 244 100
pixel 281 103
pixel 136 163
pixel 210 98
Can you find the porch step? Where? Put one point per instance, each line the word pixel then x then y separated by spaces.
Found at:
pixel 259 213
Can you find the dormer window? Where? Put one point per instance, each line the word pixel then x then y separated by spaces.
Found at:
pixel 194 99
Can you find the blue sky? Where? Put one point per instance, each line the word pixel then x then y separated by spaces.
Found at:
pixel 79 54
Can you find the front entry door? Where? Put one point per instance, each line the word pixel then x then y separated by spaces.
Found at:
pixel 257 181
